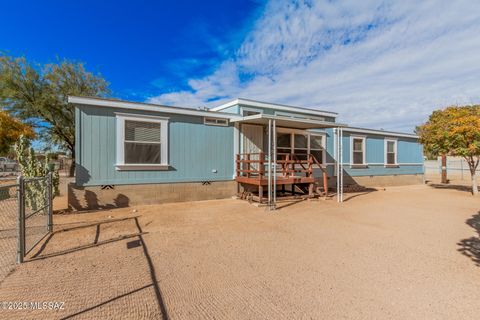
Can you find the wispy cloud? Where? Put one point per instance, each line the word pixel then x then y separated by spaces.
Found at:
pixel 380 64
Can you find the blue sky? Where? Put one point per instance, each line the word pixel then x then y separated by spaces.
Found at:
pixel 143 48
pixel 380 64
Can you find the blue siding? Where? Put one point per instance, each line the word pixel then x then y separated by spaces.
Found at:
pixel 410 155
pixel 409 151
pixel 375 149
pixel 195 150
pixel 233 109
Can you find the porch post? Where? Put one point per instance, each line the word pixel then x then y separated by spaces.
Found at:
pixel 341 164
pixel 269 163
pixel 336 142
pixel 274 134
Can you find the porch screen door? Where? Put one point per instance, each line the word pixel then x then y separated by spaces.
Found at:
pixel 252 142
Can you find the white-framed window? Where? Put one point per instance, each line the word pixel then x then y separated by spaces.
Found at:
pixel 301 143
pixel 142 142
pixel 357 147
pixel 215 121
pixel 250 111
pixel 391 152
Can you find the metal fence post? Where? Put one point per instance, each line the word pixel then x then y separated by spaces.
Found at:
pixel 50 202
pixel 21 220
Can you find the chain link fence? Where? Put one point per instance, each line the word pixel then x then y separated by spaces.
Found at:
pixel 25 218
pixel 457 168
pixel 8 226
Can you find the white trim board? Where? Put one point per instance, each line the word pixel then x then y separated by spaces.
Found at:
pixel 380 132
pixel 275 106
pixel 99 102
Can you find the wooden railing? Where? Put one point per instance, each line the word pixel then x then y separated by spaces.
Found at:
pixel 253 165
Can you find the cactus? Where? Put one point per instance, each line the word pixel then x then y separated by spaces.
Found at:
pixel 30 167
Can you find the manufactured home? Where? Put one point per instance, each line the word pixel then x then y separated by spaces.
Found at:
pixel 130 153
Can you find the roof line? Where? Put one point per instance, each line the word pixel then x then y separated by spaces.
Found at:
pixel 142 106
pixel 380 132
pixel 275 117
pixel 277 106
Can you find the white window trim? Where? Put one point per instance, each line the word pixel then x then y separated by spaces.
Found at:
pixel 120 137
pixel 224 124
pixel 386 151
pixel 260 111
pixel 364 149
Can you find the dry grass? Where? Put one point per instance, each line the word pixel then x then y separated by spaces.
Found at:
pixel 403 253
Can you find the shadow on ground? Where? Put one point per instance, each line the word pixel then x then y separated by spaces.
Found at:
pixel 471 247
pixel 349 195
pixel 451 187
pixel 132 240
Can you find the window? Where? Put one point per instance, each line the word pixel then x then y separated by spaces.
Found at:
pixel 250 112
pixel 142 142
pixel 358 150
pixel 300 143
pixel 215 122
pixel 299 116
pixel 390 152
pixel 316 147
pixel 284 144
pixel 247 113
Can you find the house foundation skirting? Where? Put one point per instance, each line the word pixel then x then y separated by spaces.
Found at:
pixel 96 197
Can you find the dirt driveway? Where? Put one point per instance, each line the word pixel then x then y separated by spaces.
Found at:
pixel 404 253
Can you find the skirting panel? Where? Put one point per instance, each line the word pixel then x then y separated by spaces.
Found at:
pixel 96 197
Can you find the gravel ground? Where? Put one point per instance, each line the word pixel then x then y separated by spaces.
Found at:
pixel 403 253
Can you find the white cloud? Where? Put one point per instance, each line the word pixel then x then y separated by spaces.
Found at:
pixel 379 64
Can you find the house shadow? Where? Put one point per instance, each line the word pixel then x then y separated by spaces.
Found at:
pixel 451 187
pixel 352 189
pixel 133 240
pixel 358 191
pixel 470 247
pixel 81 198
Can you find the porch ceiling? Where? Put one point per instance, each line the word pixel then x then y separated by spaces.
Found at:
pixel 287 122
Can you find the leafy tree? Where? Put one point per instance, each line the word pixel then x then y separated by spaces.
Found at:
pixel 38 95
pixel 10 130
pixel 454 131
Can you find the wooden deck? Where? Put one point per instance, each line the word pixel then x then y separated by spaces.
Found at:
pixel 280 180
pixel 291 170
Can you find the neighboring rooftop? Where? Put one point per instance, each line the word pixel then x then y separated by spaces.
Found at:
pixel 275 106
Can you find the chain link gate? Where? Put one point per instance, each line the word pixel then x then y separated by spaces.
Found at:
pixel 25 218
pixel 34 212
